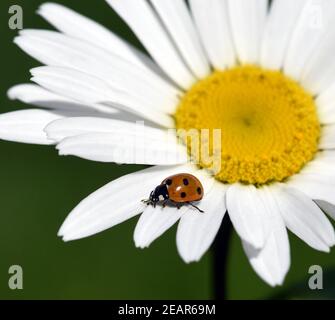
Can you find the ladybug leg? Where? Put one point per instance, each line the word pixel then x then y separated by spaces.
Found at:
pixel 178 205
pixel 165 202
pixel 147 202
pixel 191 204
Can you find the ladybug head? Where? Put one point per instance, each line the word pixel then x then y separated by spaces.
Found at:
pixel 159 194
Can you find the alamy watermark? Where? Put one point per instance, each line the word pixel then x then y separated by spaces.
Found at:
pixel 313 14
pixel 168 147
pixel 15 22
pixel 15 281
pixel 315 282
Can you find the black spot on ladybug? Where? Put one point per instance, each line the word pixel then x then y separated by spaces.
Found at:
pixel 169 182
pixel 183 194
pixel 199 190
pixel 185 181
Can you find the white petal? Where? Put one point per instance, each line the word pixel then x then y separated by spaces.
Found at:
pixel 319 72
pixel 304 218
pixel 326 105
pixel 246 212
pixel 317 186
pixel 327 207
pixel 176 18
pixel 91 90
pixel 154 222
pixel 328 137
pixel 248 20
pixel 125 147
pixel 273 261
pixel 216 34
pixel 196 231
pixel 70 127
pixel 321 163
pixel 142 20
pixel 79 26
pixel 114 203
pixel 73 84
pixel 277 34
pixel 265 261
pixel 38 96
pixel 72 23
pixel 27 126
pixel 315 20
pixel 56 49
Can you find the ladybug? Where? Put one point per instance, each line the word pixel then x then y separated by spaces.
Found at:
pixel 179 189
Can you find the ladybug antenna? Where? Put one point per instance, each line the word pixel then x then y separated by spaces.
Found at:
pixel 148 201
pixel 196 207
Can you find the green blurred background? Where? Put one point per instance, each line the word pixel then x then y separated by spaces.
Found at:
pixel 38 189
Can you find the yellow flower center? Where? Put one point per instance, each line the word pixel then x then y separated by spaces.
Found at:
pixel 269 124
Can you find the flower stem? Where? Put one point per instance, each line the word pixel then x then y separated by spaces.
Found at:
pixel 220 259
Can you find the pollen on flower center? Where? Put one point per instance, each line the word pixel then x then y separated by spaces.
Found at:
pixel 269 124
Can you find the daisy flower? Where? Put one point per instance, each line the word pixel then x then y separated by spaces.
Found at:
pixel 263 74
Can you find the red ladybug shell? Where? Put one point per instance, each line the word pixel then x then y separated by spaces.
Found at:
pixel 184 187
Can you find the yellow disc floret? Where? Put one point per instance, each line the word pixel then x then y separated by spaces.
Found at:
pixel 269 124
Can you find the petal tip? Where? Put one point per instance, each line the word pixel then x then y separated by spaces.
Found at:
pixel 61 231
pixel 140 244
pixel 67 239
pixel 11 93
pixel 186 260
pixel 17 40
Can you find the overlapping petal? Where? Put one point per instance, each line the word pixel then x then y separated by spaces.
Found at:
pixel 272 262
pixel 216 36
pixel 304 218
pixel 247 19
pixel 196 231
pixel 27 126
pixel 142 19
pixel 246 212
pixel 114 203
